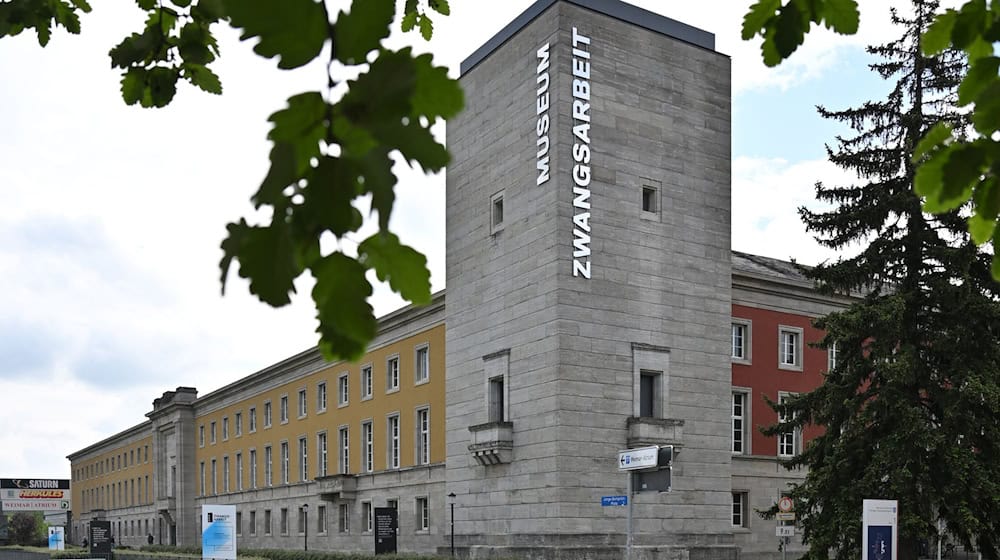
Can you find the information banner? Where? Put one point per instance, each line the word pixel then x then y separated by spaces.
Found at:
pixel 35 494
pixel 218 532
pixel 878 529
pixel 57 538
pixel 100 538
pixel 386 522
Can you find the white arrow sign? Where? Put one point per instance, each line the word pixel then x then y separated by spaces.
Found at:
pixel 640 458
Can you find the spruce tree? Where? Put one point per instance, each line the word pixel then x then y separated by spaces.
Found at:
pixel 911 408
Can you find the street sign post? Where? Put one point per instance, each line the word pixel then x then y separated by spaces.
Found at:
pixel 639 458
pixel 782 516
pixel 614 501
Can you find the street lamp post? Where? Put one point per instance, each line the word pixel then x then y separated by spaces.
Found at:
pixel 451 500
pixel 305 526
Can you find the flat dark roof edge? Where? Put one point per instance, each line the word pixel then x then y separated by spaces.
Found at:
pixel 613 8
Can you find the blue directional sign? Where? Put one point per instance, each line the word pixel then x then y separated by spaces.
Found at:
pixel 614 501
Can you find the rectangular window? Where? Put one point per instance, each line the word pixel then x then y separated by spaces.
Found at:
pixel 789 443
pixel 283 403
pixel 423 436
pixel 366 381
pixel 239 523
pixel 284 462
pixel 302 520
pixel 267 414
pixel 496 213
pixel 252 422
pixel 649 202
pixel 321 397
pixel 302 403
pixel 321 520
pixel 215 477
pixel 268 469
pixel 201 477
pixel 423 515
pixel 344 523
pixel 366 515
pixel 201 435
pixel 238 424
pixel 267 522
pixel 345 451
pixel 739 423
pixel 321 446
pixel 253 468
pixel 225 428
pixel 790 348
pixel 392 429
pixel 741 342
pixel 342 390
pixel 284 521
pixel 253 523
pixel 392 374
pixel 831 357
pixel 303 459
pixel 368 441
pixel 239 472
pixel 650 394
pixel 225 474
pixel 422 364
pixel 496 399
pixel 739 509
pixel 211 432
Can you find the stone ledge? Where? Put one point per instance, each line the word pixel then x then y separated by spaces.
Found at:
pixel 643 431
pixel 492 443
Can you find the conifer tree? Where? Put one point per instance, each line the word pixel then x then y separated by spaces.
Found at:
pixel 911 408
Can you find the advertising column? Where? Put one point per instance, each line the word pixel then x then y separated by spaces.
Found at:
pixel 218 532
pixel 878 529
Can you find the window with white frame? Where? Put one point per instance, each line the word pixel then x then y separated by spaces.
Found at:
pixel 422 514
pixel 211 432
pixel 422 364
pixel 790 348
pixel 321 397
pixel 239 472
pixel 201 435
pixel 343 389
pixel 739 517
pixel 321 520
pixel 303 408
pixel 831 357
pixel 345 450
pixel 284 521
pixel 392 433
pixel 739 417
pixel 496 213
pixel 497 397
pixel 366 381
pixel 321 447
pixel 392 374
pixel 366 517
pixel 367 439
pixel 344 523
pixel 238 424
pixel 284 408
pixel 423 436
pixel 741 341
pixel 214 481
pixel 253 468
pixel 201 478
pixel 789 443
pixel 225 474
pixel 284 462
pixel 303 459
pixel 225 428
pixel 267 414
pixel 252 420
pixel 268 466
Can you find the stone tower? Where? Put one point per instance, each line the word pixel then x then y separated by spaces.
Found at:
pixel 588 274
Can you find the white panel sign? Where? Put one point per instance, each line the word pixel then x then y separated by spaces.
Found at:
pixel 879 529
pixel 640 458
pixel 57 538
pixel 784 531
pixel 218 532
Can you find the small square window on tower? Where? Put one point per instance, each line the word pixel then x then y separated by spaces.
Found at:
pixel 649 199
pixel 496 213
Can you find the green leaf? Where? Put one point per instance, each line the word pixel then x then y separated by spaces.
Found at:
pixel 267 259
pixel 769 50
pixel 283 172
pixel 934 137
pixel 789 29
pixel 417 145
pixel 181 3
pixel 409 21
pixel 938 35
pixel 969 23
pixel 435 94
pixel 44 32
pixel 426 27
pixel 293 30
pixel 928 180
pixel 146 4
pixel 133 85
pixel 376 169
pixel 842 16
pixel 960 173
pixel 346 320
pixel 757 18
pixel 982 72
pixel 82 5
pixel 162 85
pixel 354 141
pixel 204 78
pixel 440 6
pixel 987 204
pixel 986 117
pixel 302 125
pixel 328 198
pixel 193 44
pixel 133 49
pixel 383 93
pixel 404 268
pixel 361 31
pixel 209 10
pixel 981 229
pixel 995 266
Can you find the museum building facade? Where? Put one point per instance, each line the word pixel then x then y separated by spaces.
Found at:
pixel 594 304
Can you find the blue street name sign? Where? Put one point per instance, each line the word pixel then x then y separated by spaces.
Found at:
pixel 614 501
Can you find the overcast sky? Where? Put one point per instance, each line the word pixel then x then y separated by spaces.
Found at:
pixel 112 215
